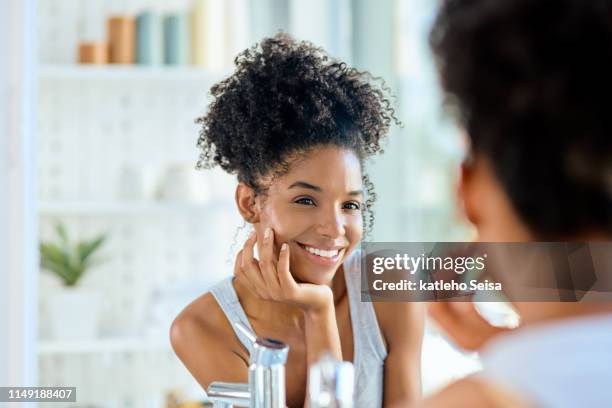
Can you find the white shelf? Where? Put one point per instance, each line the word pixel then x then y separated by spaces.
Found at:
pixel 129 73
pixel 104 345
pixel 127 208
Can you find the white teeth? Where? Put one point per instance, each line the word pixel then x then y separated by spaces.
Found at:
pixel 321 253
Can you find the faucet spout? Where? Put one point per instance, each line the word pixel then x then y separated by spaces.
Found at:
pixel 227 395
pixel 267 373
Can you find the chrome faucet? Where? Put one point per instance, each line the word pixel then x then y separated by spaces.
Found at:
pixel 331 383
pixel 266 387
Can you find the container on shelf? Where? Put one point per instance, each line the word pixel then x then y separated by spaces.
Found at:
pixel 176 39
pixel 208 34
pixel 136 183
pixel 93 53
pixel 182 183
pixel 121 39
pixel 74 313
pixel 149 39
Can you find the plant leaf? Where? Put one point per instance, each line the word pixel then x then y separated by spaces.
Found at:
pixel 61 232
pixel 58 269
pixel 87 248
pixel 69 262
pixel 53 252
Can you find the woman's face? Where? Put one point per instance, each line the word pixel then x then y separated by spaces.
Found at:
pixel 316 209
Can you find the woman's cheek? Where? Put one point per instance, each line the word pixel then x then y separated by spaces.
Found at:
pixel 354 230
pixel 287 228
pixel 282 234
pixel 276 219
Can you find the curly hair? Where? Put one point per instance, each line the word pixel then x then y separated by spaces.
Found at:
pixel 284 98
pixel 531 83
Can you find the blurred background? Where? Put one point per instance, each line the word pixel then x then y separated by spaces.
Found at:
pixel 129 232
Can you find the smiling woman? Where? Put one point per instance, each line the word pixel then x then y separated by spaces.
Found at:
pixel 295 126
pixel 317 215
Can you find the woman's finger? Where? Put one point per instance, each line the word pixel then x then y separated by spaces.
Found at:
pixel 462 322
pixel 250 267
pixel 268 264
pixel 238 263
pixel 241 276
pixel 287 282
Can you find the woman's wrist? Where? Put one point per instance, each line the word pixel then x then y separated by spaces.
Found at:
pixel 321 331
pixel 320 311
pixel 322 305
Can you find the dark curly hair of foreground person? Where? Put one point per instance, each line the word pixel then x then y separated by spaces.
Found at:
pixel 531 82
pixel 284 98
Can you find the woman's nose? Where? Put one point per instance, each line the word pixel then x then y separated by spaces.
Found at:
pixel 332 224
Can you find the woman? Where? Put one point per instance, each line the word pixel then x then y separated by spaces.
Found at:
pixel 296 127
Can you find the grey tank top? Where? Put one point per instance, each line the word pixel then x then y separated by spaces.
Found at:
pixel 369 348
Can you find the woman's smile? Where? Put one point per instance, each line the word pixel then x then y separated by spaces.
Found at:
pixel 322 256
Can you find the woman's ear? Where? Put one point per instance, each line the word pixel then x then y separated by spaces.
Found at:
pixel 466 190
pixel 247 205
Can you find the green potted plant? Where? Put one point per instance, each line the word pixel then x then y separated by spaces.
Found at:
pixel 74 311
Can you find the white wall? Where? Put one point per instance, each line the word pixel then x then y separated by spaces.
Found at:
pixel 18 247
pixel 326 23
pixel 373 46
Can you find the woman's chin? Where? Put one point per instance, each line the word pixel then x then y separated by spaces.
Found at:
pixel 322 277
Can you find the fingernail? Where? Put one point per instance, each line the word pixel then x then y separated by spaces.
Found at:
pixel 284 246
pixel 268 232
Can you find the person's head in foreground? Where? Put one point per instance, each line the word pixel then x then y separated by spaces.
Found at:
pixel 295 126
pixel 530 83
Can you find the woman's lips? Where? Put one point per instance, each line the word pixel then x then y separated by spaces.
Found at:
pixel 319 260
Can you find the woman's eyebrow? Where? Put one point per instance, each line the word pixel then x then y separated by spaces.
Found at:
pixel 303 184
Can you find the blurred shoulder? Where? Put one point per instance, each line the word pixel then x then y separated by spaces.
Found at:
pixel 476 393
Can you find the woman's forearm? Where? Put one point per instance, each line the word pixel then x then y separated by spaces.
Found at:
pixel 322 337
pixel 322 334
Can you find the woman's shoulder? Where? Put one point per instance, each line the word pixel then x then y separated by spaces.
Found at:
pixel 397 320
pixel 202 337
pixel 203 318
pixel 401 323
pixel 203 312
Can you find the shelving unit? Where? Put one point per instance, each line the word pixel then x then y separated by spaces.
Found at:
pixel 127 208
pixel 94 122
pixel 74 72
pixel 102 345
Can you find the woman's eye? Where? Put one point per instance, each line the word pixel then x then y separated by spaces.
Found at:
pixel 305 201
pixel 352 206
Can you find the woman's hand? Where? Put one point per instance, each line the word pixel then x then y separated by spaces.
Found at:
pixel 463 324
pixel 271 279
